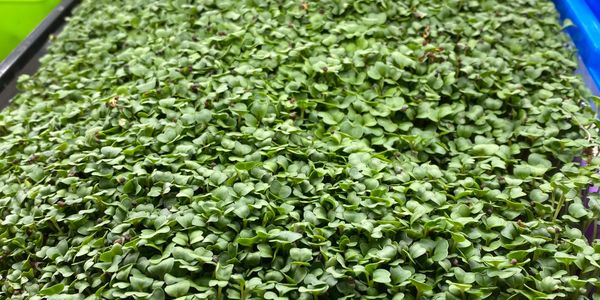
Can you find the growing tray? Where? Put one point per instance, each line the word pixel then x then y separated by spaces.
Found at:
pixel 585 33
pixel 25 58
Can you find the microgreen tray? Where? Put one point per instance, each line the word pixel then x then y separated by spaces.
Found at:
pixel 377 192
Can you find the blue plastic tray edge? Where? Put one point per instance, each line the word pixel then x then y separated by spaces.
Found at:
pixel 595 5
pixel 585 33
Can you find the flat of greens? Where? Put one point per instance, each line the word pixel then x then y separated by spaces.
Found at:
pixel 333 149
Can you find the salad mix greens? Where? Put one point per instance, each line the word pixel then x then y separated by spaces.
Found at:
pixel 288 149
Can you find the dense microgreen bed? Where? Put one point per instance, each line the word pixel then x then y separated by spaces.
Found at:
pixel 410 149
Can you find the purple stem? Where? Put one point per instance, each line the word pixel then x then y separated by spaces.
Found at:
pixel 589 232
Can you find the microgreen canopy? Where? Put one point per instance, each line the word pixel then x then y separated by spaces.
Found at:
pixel 333 149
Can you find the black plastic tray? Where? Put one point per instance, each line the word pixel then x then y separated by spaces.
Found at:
pixel 25 58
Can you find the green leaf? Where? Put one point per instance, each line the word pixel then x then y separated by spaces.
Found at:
pixel 245 166
pixel 402 60
pixel 147 86
pixel 242 189
pixel 577 210
pixel 150 234
pixel 111 152
pixel 538 196
pixel 516 193
pixel 416 250
pixel 138 70
pixel 420 286
pixel 178 289
pixel 377 71
pixel 300 254
pixel 321 87
pixel 223 273
pixel 185 193
pixel 196 236
pixel 353 130
pixel 494 221
pixel 399 274
pixel 396 104
pixel 286 237
pixel 282 191
pixel 140 282
pixel 168 135
pixel 259 109
pixel 52 290
pixel 155 191
pixel 485 149
pixel 441 250
pixel 522 171
pixel 382 276
pixel 185 254
pixel 36 173
pixel 157 294
pixel 131 187
pixel 374 19
pixel 161 268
